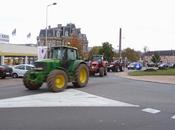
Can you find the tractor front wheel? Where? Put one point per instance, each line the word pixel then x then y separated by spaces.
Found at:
pixel 29 83
pixel 57 81
pixel 101 71
pixel 81 76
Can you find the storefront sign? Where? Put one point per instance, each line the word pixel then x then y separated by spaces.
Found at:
pixel 4 38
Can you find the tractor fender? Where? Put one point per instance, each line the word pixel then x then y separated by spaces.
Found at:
pixel 76 65
pixel 61 68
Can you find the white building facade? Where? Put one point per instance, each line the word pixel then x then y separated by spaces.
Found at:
pixel 12 54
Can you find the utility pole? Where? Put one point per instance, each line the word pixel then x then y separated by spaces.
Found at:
pixel 120 42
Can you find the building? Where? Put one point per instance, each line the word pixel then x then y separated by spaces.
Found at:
pixel 60 35
pixel 4 38
pixel 13 54
pixel 167 56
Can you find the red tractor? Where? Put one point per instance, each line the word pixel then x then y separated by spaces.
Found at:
pixel 98 65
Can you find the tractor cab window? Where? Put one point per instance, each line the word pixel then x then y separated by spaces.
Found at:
pixel 72 54
pixel 97 58
pixel 58 53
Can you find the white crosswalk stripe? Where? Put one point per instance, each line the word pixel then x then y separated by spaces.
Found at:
pixel 150 110
pixel 173 117
pixel 69 97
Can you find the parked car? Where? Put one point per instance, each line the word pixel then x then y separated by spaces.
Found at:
pixel 171 65
pixel 20 70
pixel 163 66
pixel 5 70
pixel 151 64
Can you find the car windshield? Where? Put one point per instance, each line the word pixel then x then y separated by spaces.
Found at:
pixel 58 53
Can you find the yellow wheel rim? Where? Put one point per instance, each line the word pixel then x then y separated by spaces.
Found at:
pixel 60 81
pixel 83 75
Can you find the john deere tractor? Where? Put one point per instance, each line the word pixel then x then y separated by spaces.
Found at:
pixel 63 66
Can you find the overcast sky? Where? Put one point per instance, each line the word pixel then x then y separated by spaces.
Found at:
pixel 148 23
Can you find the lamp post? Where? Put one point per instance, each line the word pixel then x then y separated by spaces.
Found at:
pixel 47 18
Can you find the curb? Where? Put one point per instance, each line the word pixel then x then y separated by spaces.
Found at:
pixel 155 79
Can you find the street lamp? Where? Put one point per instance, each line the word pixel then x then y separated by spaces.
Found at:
pixel 47 18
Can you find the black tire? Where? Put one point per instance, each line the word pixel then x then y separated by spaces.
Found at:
pixel 3 76
pixel 92 74
pixel 15 75
pixel 29 83
pixel 57 81
pixel 116 69
pixel 105 71
pixel 101 71
pixel 121 68
pixel 81 76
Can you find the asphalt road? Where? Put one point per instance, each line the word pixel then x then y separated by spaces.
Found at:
pixel 153 106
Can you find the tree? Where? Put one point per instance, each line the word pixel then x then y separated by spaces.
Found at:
pixel 145 49
pixel 75 42
pixel 155 58
pixel 107 51
pixel 131 54
pixel 94 51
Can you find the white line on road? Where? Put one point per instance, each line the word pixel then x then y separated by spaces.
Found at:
pixel 69 97
pixel 150 110
pixel 173 117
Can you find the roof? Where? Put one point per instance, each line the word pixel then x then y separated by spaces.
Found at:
pixel 17 50
pixel 161 53
pixel 64 46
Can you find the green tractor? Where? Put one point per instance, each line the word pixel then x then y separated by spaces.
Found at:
pixel 63 66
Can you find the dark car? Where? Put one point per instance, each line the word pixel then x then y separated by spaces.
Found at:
pixel 5 70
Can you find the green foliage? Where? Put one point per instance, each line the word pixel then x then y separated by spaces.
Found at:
pixel 131 54
pixel 94 51
pixel 107 51
pixel 155 72
pixel 155 58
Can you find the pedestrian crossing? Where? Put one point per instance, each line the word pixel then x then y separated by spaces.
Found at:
pixel 68 98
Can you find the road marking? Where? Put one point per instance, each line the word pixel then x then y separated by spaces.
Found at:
pixel 150 110
pixel 173 117
pixel 69 98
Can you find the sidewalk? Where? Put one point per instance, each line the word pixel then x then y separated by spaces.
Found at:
pixel 159 79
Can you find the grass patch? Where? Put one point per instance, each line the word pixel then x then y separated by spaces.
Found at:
pixel 155 72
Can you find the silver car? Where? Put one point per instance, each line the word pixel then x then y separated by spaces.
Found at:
pixel 20 70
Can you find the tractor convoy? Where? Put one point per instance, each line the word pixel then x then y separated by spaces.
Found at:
pixel 63 66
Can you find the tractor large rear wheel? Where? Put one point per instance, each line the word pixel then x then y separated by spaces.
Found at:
pixel 30 83
pixel 81 76
pixel 57 81
pixel 101 71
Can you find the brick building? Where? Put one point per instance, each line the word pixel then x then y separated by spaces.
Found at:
pixel 59 36
pixel 167 56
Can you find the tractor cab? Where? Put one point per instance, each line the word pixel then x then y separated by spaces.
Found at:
pixel 64 53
